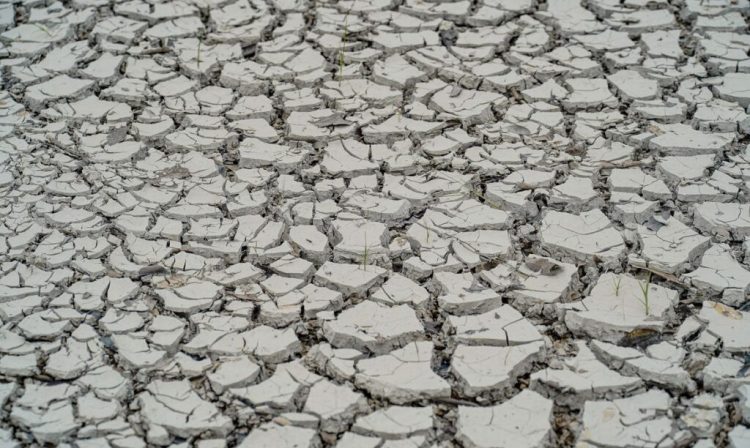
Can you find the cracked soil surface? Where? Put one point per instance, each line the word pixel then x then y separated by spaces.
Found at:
pixel 375 223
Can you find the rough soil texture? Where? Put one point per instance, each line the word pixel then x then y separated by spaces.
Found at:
pixel 374 223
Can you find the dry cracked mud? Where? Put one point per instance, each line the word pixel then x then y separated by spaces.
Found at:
pixel 375 223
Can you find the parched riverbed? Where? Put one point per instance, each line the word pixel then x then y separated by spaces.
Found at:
pixel 374 223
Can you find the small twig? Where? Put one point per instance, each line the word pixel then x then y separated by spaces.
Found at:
pixel 157 50
pixel 455 401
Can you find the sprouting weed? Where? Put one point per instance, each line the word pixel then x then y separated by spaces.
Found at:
pixel 198 53
pixel 344 40
pixel 341 64
pixel 43 28
pixel 365 255
pixel 254 246
pixel 645 288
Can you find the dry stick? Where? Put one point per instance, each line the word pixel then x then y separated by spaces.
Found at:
pixel 616 284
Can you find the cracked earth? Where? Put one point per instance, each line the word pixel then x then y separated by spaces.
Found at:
pixel 375 223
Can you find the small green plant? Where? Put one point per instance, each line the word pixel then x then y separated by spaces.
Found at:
pixel 365 255
pixel 344 40
pixel 43 28
pixel 254 246
pixel 645 288
pixel 198 54
pixel 341 65
pixel 616 285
